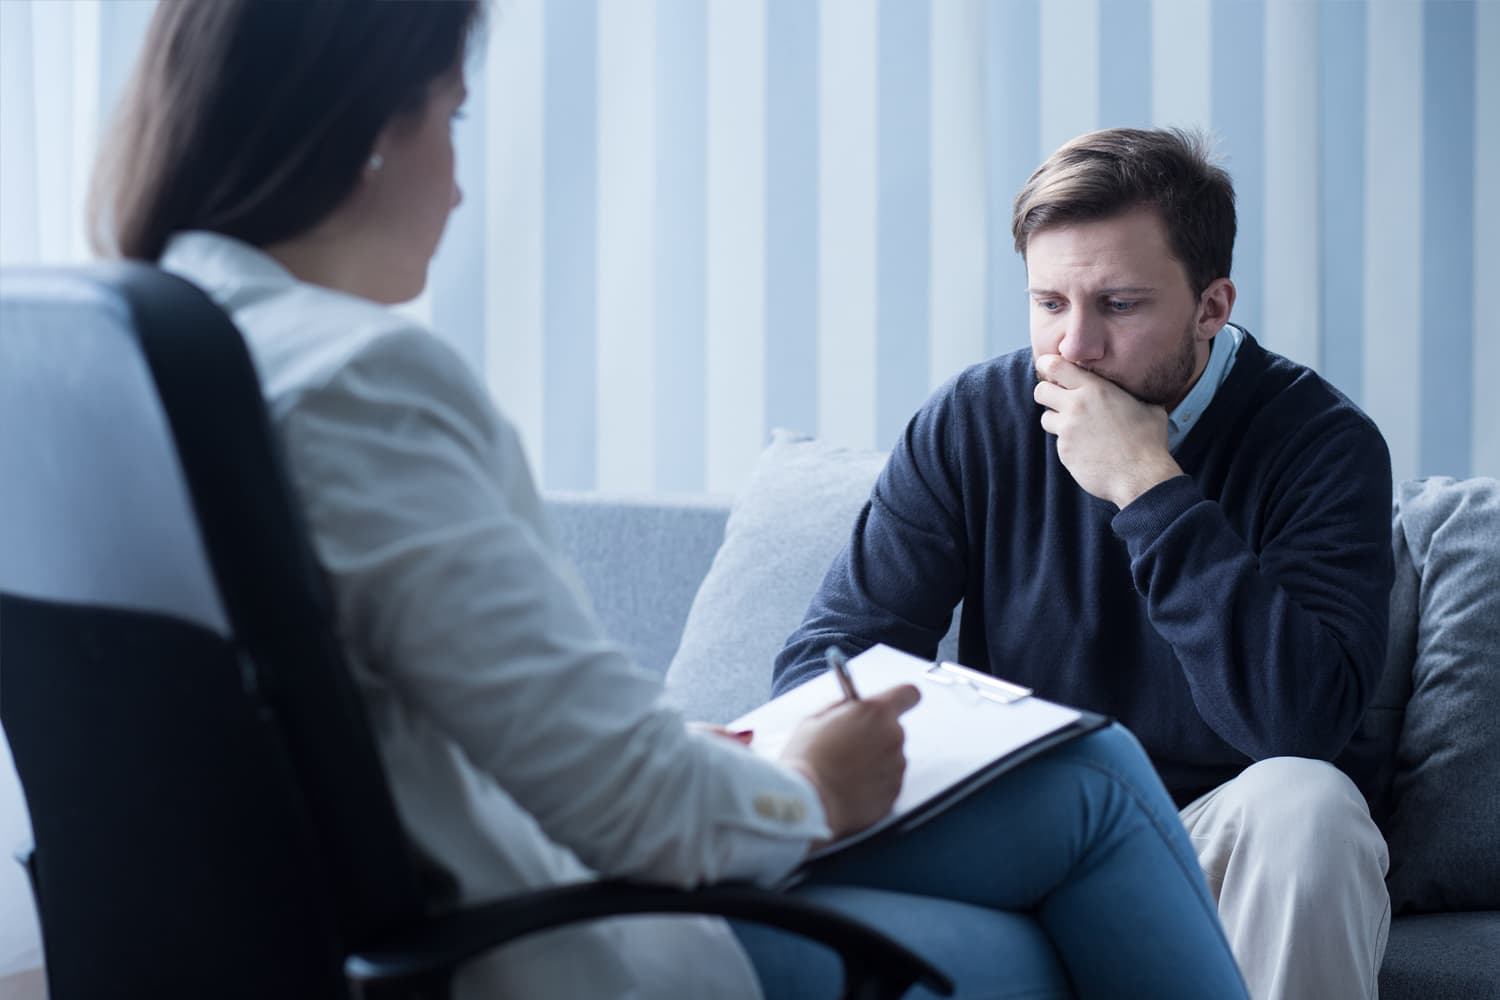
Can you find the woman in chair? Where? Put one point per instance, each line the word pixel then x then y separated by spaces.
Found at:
pixel 295 160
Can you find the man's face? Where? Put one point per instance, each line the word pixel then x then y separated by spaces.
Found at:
pixel 1109 296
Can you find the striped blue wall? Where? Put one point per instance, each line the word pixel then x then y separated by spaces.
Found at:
pixel 847 248
pixel 689 221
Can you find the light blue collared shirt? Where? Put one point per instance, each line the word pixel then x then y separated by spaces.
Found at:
pixel 1220 358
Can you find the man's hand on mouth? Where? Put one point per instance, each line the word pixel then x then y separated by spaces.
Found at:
pixel 1112 444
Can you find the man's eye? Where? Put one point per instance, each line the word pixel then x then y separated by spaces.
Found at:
pixel 1049 305
pixel 1122 305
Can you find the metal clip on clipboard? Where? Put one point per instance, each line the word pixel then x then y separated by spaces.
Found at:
pixel 987 687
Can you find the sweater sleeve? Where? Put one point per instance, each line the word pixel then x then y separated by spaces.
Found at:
pixel 909 531
pixel 1281 637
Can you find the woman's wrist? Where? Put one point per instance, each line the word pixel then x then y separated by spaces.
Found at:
pixel 831 815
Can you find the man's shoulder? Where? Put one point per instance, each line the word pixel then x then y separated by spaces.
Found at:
pixel 968 426
pixel 1289 418
pixel 977 410
pixel 1286 393
pixel 1004 379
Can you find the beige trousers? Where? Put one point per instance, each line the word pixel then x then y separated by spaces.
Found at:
pixel 1298 869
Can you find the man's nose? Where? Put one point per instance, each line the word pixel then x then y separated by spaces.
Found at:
pixel 458 195
pixel 1083 338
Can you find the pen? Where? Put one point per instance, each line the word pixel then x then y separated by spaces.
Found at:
pixel 839 664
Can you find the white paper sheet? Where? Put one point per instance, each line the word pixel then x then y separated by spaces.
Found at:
pixel 951 735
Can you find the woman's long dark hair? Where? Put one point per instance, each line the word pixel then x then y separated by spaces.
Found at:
pixel 253 118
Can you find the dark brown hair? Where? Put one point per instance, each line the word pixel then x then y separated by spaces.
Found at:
pixel 253 118
pixel 1101 174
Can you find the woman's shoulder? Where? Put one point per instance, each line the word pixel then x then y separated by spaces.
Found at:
pixel 333 358
pixel 306 338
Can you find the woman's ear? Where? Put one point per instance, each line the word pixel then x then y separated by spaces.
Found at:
pixel 1214 307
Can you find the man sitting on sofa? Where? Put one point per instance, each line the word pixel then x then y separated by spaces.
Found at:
pixel 1148 514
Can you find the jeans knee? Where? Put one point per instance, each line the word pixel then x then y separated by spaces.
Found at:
pixel 1112 744
pixel 1113 760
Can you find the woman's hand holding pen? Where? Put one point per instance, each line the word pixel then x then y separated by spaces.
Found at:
pixel 852 752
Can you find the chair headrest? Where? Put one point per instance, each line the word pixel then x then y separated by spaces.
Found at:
pixel 94 508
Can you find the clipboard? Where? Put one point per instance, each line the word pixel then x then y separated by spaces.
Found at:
pixel 968 729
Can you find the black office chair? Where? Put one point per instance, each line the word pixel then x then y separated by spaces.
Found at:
pixel 210 815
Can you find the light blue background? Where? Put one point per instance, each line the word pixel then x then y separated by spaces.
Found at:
pixel 768 186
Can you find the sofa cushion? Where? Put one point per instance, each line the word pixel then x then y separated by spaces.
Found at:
pixel 1442 956
pixel 1444 823
pixel 783 532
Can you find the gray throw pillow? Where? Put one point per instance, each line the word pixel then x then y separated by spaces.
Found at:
pixel 783 532
pixel 1444 827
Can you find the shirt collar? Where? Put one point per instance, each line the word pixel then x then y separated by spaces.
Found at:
pixel 1226 344
pixel 222 266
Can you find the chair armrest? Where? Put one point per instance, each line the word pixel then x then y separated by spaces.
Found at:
pixel 418 961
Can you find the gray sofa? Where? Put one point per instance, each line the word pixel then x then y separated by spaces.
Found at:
pixel 706 590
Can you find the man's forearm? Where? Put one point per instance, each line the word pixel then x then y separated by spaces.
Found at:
pixel 1279 663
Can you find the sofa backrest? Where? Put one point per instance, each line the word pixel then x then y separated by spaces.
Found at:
pixel 641 560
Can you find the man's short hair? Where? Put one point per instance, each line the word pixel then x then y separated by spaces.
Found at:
pixel 1104 173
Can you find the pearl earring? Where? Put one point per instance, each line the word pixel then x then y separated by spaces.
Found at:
pixel 376 161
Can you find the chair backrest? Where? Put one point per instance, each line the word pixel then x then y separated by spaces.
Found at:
pixel 209 810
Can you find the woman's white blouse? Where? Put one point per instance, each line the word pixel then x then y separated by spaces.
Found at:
pixel 523 748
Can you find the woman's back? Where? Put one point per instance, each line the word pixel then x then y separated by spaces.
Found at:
pixel 423 513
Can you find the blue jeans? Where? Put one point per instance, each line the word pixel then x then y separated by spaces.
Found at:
pixel 1070 876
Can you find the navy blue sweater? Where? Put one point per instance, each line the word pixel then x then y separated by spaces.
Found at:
pixel 1231 614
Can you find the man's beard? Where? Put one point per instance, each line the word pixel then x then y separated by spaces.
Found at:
pixel 1169 379
pixel 1166 382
